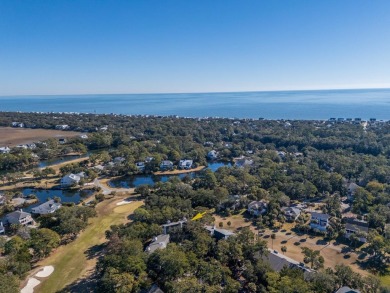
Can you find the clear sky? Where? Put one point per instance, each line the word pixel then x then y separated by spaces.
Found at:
pixel 66 47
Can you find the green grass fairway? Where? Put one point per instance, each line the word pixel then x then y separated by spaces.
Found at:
pixel 70 261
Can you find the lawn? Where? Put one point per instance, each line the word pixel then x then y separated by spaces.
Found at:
pixel 71 262
pixel 385 280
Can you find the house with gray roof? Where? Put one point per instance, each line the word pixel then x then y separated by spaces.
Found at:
pixel 159 242
pixel 279 261
pixel 185 164
pixel 19 218
pixel 166 165
pixel 257 208
pixel 2 230
pixel 319 222
pixel 358 227
pixel 291 213
pixel 346 289
pixel 48 207
pixel 155 289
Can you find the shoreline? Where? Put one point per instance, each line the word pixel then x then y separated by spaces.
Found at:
pixel 176 172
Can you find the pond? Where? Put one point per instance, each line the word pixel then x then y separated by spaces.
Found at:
pixel 65 195
pixel 135 181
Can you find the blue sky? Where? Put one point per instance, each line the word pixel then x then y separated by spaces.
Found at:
pixel 76 47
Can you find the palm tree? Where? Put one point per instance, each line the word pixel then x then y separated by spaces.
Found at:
pixel 284 249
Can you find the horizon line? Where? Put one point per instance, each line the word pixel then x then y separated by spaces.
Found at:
pixel 195 92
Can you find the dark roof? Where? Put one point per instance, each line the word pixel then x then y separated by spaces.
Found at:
pixel 319 216
pixel 155 289
pixel 356 225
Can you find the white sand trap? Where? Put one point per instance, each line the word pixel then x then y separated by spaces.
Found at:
pixel 47 271
pixel 123 202
pixel 29 288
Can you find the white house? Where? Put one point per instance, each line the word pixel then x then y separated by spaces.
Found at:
pixel 185 164
pixel 70 180
pixel 212 155
pixel 62 127
pixel 319 221
pixel 48 207
pixel 2 230
pixel 17 124
pixel 19 218
pixel 257 208
pixel 241 163
pixel 4 150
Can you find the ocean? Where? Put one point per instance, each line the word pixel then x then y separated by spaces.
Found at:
pixel 318 104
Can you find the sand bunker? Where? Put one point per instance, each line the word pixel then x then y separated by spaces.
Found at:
pixel 123 202
pixel 29 288
pixel 47 271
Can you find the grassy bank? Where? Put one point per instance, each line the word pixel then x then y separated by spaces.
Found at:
pixel 72 262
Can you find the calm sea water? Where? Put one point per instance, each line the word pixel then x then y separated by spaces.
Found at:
pixel 362 103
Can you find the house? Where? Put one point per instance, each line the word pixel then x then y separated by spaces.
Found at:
pixel 257 208
pixel 278 261
pixel 319 222
pixel 351 188
pixel 62 127
pixel 208 144
pixel 173 226
pixel 119 160
pixel 219 233
pixel 17 124
pixel 242 163
pixel 71 179
pixel 185 164
pixel 140 166
pixel 155 289
pixel 291 213
pixel 84 136
pixel 19 218
pixel 4 150
pixel 62 140
pixel 166 165
pixel 346 289
pixel 48 207
pixel 149 159
pixel 2 230
pixel 281 154
pixel 212 155
pixel 354 226
pixel 3 199
pixel 159 242
pixel 98 168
